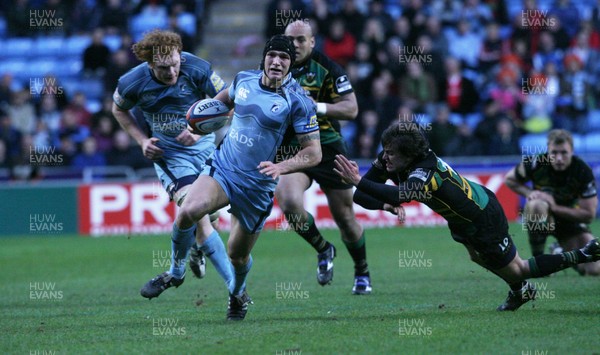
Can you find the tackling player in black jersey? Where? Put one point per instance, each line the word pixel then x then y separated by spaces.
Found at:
pixel 562 199
pixel 475 217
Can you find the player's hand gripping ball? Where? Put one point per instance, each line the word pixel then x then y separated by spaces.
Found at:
pixel 206 116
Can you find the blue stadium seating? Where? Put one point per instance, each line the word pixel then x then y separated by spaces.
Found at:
pixel 592 143
pixel 594 120
pixel 533 143
pixel 69 68
pixel 42 67
pixel 48 46
pixel 143 23
pixel 187 22
pixel 18 47
pixel 113 42
pixel 579 143
pixel 76 45
pixel 16 67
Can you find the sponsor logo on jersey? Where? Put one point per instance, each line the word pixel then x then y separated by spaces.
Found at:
pixel 312 123
pixel 590 190
pixel 217 82
pixel 419 174
pixel 276 107
pixel 243 93
pixel 342 84
pixel 240 137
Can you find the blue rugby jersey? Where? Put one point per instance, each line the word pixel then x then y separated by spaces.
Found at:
pixel 163 106
pixel 261 117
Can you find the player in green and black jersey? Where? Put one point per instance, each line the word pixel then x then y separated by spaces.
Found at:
pixel 562 199
pixel 330 88
pixel 475 217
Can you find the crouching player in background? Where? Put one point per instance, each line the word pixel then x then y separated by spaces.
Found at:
pixel 163 87
pixel 475 217
pixel 562 200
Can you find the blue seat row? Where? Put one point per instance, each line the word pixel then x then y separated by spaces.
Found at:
pixel 583 144
pixel 58 47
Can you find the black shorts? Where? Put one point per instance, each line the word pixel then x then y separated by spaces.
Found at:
pixel 567 229
pixel 323 173
pixel 488 235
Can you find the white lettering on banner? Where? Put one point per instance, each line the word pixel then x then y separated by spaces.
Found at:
pixel 143 199
pixel 139 209
pixel 107 198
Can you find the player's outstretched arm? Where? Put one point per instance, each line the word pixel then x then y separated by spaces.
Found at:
pixel 377 191
pixel 343 108
pixel 309 156
pixel 126 121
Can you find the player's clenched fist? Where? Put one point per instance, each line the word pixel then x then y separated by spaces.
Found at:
pixel 150 149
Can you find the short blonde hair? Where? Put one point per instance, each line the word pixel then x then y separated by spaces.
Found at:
pixel 157 41
pixel 560 136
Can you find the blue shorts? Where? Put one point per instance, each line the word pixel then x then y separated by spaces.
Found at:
pixel 250 207
pixel 179 168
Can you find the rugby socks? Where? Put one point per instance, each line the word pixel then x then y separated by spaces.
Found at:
pixel 312 235
pixel 358 252
pixel 214 249
pixel 239 280
pixel 517 285
pixel 547 264
pixel 537 242
pixel 181 241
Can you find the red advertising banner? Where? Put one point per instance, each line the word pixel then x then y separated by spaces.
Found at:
pixel 144 208
pixel 110 209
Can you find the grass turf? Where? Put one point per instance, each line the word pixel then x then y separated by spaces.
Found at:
pixel 81 295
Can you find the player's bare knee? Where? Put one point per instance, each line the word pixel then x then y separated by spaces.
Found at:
pixel 291 206
pixel 591 269
pixel 185 217
pixel 191 212
pixel 239 260
pixel 344 217
pixel 537 207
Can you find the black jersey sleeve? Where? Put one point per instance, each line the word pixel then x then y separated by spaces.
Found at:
pixel 377 191
pixel 588 182
pixel 376 175
pixel 529 164
pixel 521 178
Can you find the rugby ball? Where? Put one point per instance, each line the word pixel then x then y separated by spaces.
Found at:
pixel 206 116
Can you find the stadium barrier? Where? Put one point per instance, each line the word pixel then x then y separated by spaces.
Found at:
pixel 130 208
